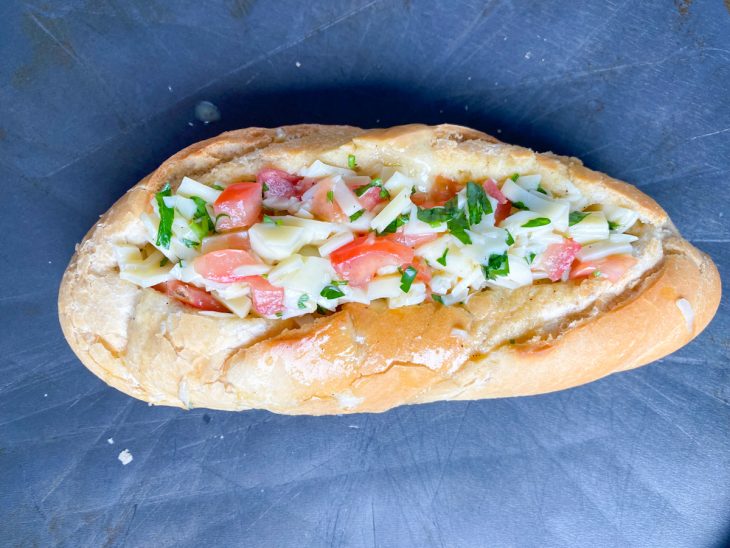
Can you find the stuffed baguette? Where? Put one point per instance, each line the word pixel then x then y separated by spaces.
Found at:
pixel 328 269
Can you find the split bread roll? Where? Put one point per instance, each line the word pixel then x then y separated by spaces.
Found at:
pixel 501 342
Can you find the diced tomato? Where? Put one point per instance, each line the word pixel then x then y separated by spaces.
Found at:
pixel 305 184
pixel 241 202
pixel 190 295
pixel 359 260
pixel 491 188
pixel 611 267
pixel 266 299
pixel 412 240
pixel 424 271
pixel 502 212
pixel 220 266
pixel 229 240
pixel 441 191
pixel 371 198
pixel 279 184
pixel 324 205
pixel 557 258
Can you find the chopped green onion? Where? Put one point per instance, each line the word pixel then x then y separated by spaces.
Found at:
pixel 332 292
pixel 437 298
pixel 272 220
pixel 330 196
pixel 407 277
pixel 510 240
pixel 575 217
pixel 520 205
pixel 351 162
pixel 302 302
pixel 167 214
pixel 442 258
pixel 164 261
pixel 498 265
pixel 355 216
pixel 538 221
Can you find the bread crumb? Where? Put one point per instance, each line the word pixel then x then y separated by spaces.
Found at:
pixel 528 55
pixel 45 395
pixel 125 457
pixel 298 64
pixel 110 441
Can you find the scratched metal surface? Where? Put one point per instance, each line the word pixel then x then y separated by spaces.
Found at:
pixel 94 94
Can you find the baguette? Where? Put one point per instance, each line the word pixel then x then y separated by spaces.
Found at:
pixel 500 342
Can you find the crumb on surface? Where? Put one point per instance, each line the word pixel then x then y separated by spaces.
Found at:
pixel 125 457
pixel 110 441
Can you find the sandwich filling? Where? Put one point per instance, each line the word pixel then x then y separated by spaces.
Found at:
pixel 290 244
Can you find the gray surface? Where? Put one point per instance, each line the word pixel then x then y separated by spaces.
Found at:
pixel 95 94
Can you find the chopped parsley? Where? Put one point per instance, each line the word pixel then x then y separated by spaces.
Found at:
pixel 355 216
pixel 302 302
pixel 575 217
pixel 437 298
pixel 190 243
pixel 514 176
pixel 530 258
pixel 219 187
pixel 538 221
pixel 406 279
pixel 164 261
pixel 612 225
pixel 498 265
pixel 332 292
pixel 330 196
pixel 351 161
pixel 375 183
pixel 457 226
pixel 541 190
pixel 272 220
pixel 167 214
pixel 520 205
pixel 509 240
pixel 442 258
pixel 396 223
pixel 265 188
pixel 477 203
pixel 437 215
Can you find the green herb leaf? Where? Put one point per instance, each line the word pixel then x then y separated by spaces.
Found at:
pixel 330 196
pixel 498 265
pixel 339 282
pixel 375 183
pixel 272 220
pixel 322 310
pixel 218 187
pixel 520 205
pixel 510 240
pixel 514 176
pixel 612 225
pixel 476 202
pixel 530 258
pixel 575 217
pixel 437 215
pixel 190 243
pixel 167 214
pixel 538 221
pixel 355 216
pixel 396 223
pixel 302 302
pixel 542 190
pixel 457 226
pixel 384 194
pixel 407 277
pixel 164 261
pixel 351 162
pixel 332 292
pixel 442 258
pixel 597 273
pixel 437 298
pixel 265 188
pixel 279 314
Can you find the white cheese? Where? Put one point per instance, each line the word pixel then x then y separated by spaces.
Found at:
pixel 397 205
pixel 384 287
pixel 397 183
pixel 519 274
pixel 624 218
pixel 274 242
pixel 416 294
pixel 345 198
pixel 592 228
pixel 601 250
pixel 335 242
pixel 315 232
pixel 189 187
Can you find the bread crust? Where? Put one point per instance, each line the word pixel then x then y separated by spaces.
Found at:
pixel 502 343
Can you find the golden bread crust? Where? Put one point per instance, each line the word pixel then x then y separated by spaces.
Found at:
pixel 502 343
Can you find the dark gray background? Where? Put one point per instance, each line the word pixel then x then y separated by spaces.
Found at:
pixel 95 94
